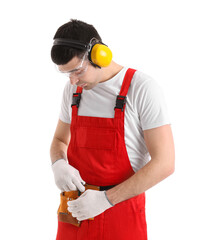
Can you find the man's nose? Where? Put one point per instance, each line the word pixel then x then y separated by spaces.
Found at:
pixel 73 80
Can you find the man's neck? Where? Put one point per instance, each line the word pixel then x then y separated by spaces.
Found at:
pixel 110 71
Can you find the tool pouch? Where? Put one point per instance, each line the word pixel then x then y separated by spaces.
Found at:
pixel 63 214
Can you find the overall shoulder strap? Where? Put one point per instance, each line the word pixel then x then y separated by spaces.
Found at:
pixel 121 98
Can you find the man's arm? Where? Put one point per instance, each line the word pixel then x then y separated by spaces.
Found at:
pixel 60 141
pixel 160 144
pixel 67 178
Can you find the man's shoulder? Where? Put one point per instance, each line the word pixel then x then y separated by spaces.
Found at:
pixel 142 81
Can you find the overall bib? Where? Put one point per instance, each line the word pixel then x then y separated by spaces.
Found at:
pixel 97 149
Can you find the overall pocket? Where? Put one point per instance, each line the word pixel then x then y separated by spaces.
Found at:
pixel 96 138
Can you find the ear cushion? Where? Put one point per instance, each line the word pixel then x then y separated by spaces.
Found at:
pixel 101 55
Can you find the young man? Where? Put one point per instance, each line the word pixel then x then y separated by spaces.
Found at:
pixel 113 132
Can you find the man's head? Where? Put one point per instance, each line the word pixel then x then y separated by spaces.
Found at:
pixel 80 65
pixel 73 61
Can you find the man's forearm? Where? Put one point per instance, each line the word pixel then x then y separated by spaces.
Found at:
pixel 148 176
pixel 58 150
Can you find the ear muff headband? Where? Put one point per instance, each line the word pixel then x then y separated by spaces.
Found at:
pixel 98 53
pixel 70 43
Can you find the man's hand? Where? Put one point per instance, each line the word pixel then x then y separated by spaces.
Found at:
pixel 67 178
pixel 90 204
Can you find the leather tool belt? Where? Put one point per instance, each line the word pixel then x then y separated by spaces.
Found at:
pixel 63 214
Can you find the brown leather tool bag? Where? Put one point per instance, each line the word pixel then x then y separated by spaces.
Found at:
pixel 63 214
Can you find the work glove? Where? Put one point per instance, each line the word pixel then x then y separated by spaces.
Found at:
pixel 67 178
pixel 90 204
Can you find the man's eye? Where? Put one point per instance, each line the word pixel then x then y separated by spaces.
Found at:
pixel 79 71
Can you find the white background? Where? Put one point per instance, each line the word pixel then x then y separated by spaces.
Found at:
pixel 175 42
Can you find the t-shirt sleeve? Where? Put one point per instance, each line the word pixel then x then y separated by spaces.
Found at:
pixel 151 105
pixel 64 115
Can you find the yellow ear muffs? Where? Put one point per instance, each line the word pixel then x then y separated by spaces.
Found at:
pixel 101 55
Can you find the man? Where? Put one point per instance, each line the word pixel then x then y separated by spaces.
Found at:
pixel 114 133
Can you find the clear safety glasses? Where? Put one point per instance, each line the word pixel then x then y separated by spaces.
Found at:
pixel 78 71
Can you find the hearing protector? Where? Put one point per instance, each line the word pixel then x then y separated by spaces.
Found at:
pixel 98 53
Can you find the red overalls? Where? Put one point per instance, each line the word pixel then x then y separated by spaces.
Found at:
pixel 97 149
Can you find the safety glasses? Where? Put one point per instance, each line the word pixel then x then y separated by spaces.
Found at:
pixel 78 71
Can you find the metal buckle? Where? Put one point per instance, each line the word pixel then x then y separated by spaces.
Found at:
pixel 120 102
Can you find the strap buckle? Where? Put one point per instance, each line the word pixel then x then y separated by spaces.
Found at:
pixel 76 99
pixel 120 102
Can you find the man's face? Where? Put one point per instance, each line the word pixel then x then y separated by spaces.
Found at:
pixel 81 72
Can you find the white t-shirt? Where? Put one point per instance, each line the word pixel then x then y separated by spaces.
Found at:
pixel 145 109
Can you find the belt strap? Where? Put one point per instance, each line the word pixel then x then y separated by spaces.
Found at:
pixel 99 188
pixel 76 193
pixel 102 188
